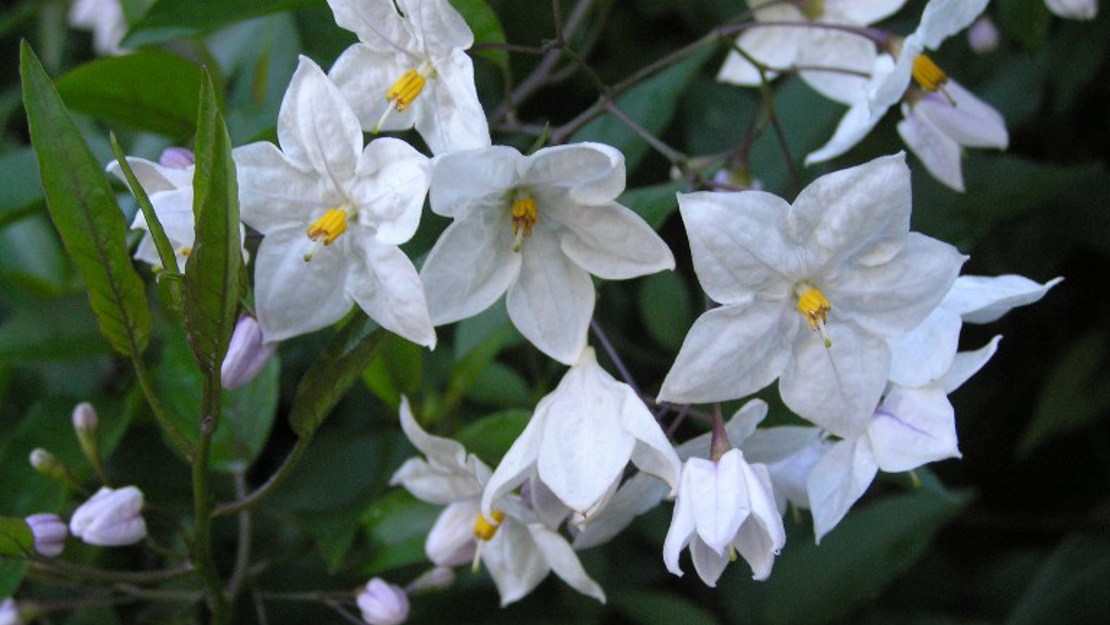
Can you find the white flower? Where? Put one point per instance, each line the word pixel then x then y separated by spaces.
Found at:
pixel 333 215
pixel 536 227
pixel 411 69
pixel 9 613
pixel 790 452
pixel 105 19
pixel 111 518
pixel 581 437
pixel 382 603
pixel 518 548
pixel 839 54
pixel 808 292
pixel 721 506
pixel 1074 9
pixel 937 127
pixel 50 534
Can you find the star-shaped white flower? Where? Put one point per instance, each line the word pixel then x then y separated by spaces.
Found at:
pixel 333 215
pixel 830 55
pixel 724 505
pixel 411 69
pixel 170 190
pixel 581 437
pixel 519 550
pixel 536 227
pixel 809 292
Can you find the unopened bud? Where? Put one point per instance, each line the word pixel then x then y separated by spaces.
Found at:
pixel 383 603
pixel 9 613
pixel 176 158
pixel 436 578
pixel 983 36
pixel 111 518
pixel 246 354
pixel 50 534
pixel 45 463
pixel 84 417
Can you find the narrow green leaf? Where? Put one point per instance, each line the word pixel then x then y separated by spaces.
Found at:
pixel 397 369
pixel 466 371
pixel 172 19
pixel 85 212
pixel 329 378
pixel 491 436
pixel 16 539
pixel 666 309
pixel 22 189
pixel 486 26
pixel 1070 588
pixel 397 525
pixel 53 329
pixel 147 90
pixel 212 271
pixel 654 608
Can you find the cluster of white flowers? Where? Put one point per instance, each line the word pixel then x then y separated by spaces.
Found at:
pixel 832 295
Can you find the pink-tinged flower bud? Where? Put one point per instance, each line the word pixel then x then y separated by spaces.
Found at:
pixel 9 613
pixel 983 36
pixel 111 518
pixel 383 603
pixel 84 417
pixel 436 578
pixel 177 158
pixel 246 354
pixel 50 534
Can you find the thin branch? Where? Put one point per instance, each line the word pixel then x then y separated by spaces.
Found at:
pixel 607 345
pixel 254 497
pixel 243 548
pixel 77 571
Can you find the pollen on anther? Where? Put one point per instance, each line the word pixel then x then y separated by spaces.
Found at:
pixel 525 215
pixel 405 90
pixel 329 226
pixel 483 529
pixel 927 74
pixel 813 305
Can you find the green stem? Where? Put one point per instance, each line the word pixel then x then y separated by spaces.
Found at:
pixel 260 493
pixel 67 569
pixel 176 437
pixel 202 539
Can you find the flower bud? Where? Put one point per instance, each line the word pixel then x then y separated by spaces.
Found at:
pixel 9 613
pixel 435 578
pixel 383 603
pixel 246 354
pixel 176 158
pixel 983 36
pixel 50 534
pixel 84 417
pixel 111 518
pixel 45 463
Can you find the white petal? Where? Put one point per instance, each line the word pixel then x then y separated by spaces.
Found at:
pixel 475 180
pixel 970 121
pixel 857 122
pixel 943 18
pixel 718 496
pixel 862 12
pixel 552 300
pixel 439 24
pixel 838 481
pixel 612 242
pixel 939 153
pixel 967 364
pixel 434 483
pixel 451 541
pixel 653 454
pixel 680 533
pixel 514 562
pixel 837 387
pixel 389 189
pixel 152 176
pixel 983 299
pixel 376 22
pixel 317 129
pixel 293 297
pixel 274 194
pixel 923 355
pixel 547 507
pixel 732 351
pixel 385 284
pixel 449 116
pixel 707 563
pixel 1074 9
pixel 519 462
pixel 363 74
pixel 445 452
pixel 637 495
pixel 849 59
pixel 561 558
pixel 893 298
pixel 590 173
pixel 775 47
pixel 762 535
pixel 913 427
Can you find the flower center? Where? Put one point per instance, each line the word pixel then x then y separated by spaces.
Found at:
pixel 524 218
pixel 405 90
pixel 483 529
pixel 813 305
pixel 927 74
pixel 326 229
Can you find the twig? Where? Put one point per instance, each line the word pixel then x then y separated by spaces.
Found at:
pixel 275 480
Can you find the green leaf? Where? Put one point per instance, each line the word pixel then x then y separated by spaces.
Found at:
pixel 1026 21
pixel 22 189
pixel 211 295
pixel 334 532
pixel 329 378
pixel 466 371
pixel 84 210
pixel 339 470
pixel 818 584
pixel 652 104
pixel 16 539
pixel 32 257
pixel 173 19
pixel 655 608
pixel 397 369
pixel 147 90
pixel 1070 588
pixel 500 386
pixel 398 525
pixel 486 26
pixel 54 329
pixel 491 436
pixel 665 306
pixel 1075 395
pixel 654 203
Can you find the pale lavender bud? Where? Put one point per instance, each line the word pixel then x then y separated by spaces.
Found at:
pixel 50 534
pixel 84 417
pixel 383 603
pixel 176 158
pixel 246 354
pixel 435 578
pixel 111 518
pixel 9 613
pixel 983 36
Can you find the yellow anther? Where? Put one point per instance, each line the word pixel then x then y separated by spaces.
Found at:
pixel 524 217
pixel 815 308
pixel 927 74
pixel 329 226
pixel 405 90
pixel 483 529
pixel 185 250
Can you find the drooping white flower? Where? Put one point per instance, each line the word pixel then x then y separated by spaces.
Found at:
pixel 411 69
pixel 333 215
pixel 535 227
pixel 724 505
pixel 382 603
pixel 514 543
pixel 809 292
pixel 937 126
pixel 110 518
pixel 830 55
pixel 1074 9
pixel 581 437
pixel 105 19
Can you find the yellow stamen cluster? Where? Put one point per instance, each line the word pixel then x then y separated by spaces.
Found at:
pixel 405 90
pixel 927 74
pixel 326 229
pixel 524 218
pixel 483 529
pixel 815 308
